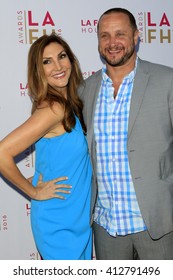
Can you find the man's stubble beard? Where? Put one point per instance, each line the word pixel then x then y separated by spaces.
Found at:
pixel 121 61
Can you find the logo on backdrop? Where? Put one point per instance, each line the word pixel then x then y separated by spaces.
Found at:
pixel 26 159
pixel 28 209
pixel 29 157
pixel 89 25
pixel 4 223
pixel 86 74
pixel 34 256
pixel 154 29
pixel 30 27
pixel 23 87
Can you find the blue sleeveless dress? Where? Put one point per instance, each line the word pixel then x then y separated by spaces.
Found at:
pixel 61 228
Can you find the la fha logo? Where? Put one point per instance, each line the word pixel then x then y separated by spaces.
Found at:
pixel 155 29
pixel 89 25
pixel 30 28
pixel 23 87
pixel 28 209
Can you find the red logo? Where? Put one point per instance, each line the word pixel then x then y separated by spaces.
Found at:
pixel 154 29
pixel 30 28
pixel 23 87
pixel 86 74
pixel 28 209
pixel 89 26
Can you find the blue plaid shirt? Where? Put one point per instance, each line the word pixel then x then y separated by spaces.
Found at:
pixel 117 208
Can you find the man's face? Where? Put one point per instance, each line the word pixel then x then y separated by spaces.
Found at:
pixel 116 39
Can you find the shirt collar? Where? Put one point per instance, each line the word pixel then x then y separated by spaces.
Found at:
pixel 129 76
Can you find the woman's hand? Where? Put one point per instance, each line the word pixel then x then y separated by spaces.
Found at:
pixel 49 189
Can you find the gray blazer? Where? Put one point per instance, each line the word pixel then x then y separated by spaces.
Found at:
pixel 150 141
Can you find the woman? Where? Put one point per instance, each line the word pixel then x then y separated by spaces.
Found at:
pixel 59 212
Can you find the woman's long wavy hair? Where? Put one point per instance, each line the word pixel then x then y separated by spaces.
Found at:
pixel 40 90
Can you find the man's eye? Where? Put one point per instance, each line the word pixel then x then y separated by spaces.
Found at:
pixel 104 36
pixel 120 34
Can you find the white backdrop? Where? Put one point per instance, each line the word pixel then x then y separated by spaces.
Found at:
pixel 21 23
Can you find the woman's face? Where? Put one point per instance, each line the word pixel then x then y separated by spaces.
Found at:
pixel 57 66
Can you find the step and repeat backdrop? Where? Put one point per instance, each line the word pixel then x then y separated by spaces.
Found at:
pixel 22 22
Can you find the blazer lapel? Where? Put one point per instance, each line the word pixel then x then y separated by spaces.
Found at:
pixel 92 99
pixel 139 89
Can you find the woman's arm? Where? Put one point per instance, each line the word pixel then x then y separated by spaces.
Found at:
pixel 38 125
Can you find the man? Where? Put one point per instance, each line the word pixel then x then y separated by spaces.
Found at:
pixel 128 109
